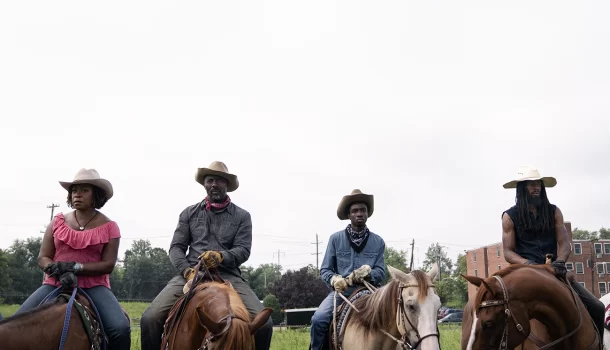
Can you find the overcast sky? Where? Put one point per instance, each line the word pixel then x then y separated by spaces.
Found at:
pixel 429 106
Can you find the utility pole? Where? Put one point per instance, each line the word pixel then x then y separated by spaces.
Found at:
pixel 278 258
pixel 412 250
pixel 317 253
pixel 438 261
pixel 52 207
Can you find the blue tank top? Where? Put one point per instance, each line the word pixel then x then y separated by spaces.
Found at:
pixel 533 243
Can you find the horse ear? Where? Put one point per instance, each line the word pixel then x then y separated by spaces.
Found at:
pixel 433 272
pixel 397 274
pixel 260 320
pixel 473 279
pixel 208 323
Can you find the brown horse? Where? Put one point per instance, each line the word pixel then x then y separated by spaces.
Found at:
pixel 514 305
pixel 214 318
pixel 41 328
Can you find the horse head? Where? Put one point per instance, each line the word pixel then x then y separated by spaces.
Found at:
pixel 418 307
pixel 225 322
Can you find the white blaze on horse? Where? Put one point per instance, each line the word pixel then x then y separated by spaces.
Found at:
pixel 401 314
pixel 606 301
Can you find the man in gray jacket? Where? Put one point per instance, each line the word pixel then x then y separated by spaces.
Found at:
pixel 219 232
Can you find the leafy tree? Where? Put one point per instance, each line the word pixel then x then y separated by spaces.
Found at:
pixel 584 234
pixel 22 261
pixel 300 289
pixel 147 270
pixel 262 279
pixel 461 291
pixel 446 289
pixel 604 233
pixel 271 301
pixel 436 253
pixel 396 259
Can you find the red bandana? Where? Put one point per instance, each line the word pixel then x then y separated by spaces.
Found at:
pixel 216 206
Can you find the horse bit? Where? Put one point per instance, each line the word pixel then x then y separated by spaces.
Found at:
pixel 509 313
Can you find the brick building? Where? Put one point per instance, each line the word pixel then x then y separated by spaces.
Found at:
pixel 485 261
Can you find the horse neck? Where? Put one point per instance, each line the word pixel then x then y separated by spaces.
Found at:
pixel 19 329
pixel 377 309
pixel 549 301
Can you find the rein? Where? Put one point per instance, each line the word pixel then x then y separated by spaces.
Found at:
pixel 402 315
pixel 511 315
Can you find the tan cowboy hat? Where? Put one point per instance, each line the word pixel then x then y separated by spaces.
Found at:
pixel 528 173
pixel 91 177
pixel 356 197
pixel 219 169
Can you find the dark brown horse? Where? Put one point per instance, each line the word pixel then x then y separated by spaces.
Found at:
pixel 526 307
pixel 41 328
pixel 214 317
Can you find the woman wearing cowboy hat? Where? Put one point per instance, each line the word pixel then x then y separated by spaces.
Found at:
pixel 84 243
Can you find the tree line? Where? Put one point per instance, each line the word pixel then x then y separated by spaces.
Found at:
pixel 145 270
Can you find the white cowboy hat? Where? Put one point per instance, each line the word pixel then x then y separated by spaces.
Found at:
pixel 528 173
pixel 218 169
pixel 91 177
pixel 355 197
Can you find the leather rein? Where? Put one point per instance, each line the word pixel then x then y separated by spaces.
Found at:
pixel 510 315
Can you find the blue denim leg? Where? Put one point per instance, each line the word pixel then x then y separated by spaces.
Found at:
pixel 34 300
pixel 116 325
pixel 320 321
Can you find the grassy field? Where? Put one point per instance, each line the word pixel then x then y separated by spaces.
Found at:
pixel 282 340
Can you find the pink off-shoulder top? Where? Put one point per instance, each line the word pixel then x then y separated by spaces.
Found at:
pixel 83 247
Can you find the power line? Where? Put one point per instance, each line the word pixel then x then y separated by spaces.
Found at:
pixel 317 253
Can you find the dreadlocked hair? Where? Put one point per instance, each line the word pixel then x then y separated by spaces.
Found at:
pixel 545 212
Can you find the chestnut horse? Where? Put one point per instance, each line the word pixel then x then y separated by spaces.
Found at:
pixel 526 307
pixel 41 328
pixel 606 301
pixel 210 316
pixel 401 314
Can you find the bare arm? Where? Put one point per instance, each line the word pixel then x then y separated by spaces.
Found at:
pixel 47 249
pixel 563 238
pixel 106 264
pixel 508 241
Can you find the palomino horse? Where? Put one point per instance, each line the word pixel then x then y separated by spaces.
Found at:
pixel 401 314
pixel 514 305
pixel 606 301
pixel 42 328
pixel 210 316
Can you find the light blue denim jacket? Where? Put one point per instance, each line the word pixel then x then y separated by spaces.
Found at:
pixel 341 259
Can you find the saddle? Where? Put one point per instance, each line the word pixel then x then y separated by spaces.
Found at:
pixel 176 312
pixel 342 313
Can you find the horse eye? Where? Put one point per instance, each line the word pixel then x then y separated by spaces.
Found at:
pixel 488 324
pixel 411 307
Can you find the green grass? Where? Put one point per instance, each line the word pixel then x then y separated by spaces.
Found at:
pixel 282 340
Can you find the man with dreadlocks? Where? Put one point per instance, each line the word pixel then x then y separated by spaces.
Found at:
pixel 352 255
pixel 534 227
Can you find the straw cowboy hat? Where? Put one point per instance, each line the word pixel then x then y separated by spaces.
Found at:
pixel 528 173
pixel 218 169
pixel 91 177
pixel 356 197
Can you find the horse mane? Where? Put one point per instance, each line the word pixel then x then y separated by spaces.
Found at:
pixel 374 315
pixel 505 272
pixel 31 312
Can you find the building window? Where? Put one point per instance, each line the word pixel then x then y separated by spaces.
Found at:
pixel 499 267
pixel 474 256
pixel 476 273
pixel 600 268
pixel 579 268
pixel 606 248
pixel 577 249
pixel 608 267
pixel 582 284
pixel 569 266
pixel 602 288
pixel 498 250
pixel 598 248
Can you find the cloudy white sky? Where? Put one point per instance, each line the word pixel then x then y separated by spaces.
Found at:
pixel 430 106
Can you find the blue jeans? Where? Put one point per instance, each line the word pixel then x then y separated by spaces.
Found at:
pixel 116 325
pixel 321 319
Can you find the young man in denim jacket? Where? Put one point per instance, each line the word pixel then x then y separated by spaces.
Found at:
pixel 352 255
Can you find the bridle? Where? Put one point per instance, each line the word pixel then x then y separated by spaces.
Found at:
pixel 402 316
pixel 511 315
pixel 210 337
